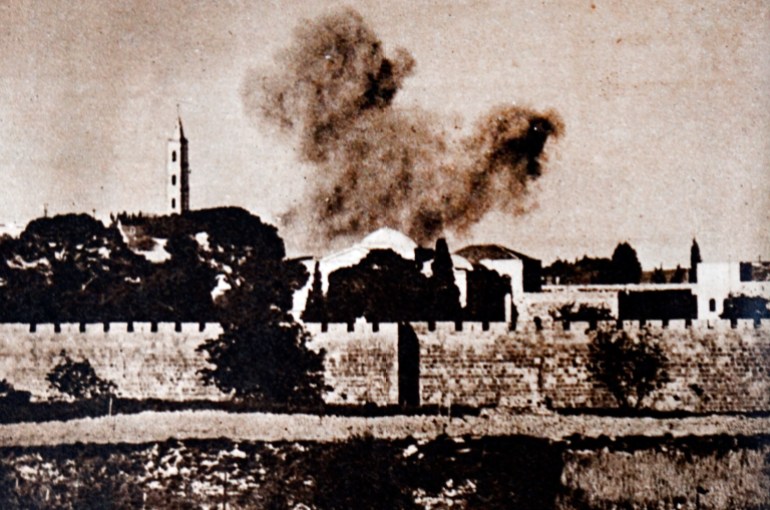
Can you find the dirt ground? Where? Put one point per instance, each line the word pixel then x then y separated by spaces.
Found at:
pixel 159 426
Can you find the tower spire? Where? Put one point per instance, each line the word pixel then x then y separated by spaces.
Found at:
pixel 179 132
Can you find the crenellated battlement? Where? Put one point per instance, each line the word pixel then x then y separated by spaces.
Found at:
pixel 144 359
pixel 73 328
pixel 385 328
pixel 548 325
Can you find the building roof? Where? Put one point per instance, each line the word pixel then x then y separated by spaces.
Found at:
pixel 389 239
pixel 382 239
pixel 477 252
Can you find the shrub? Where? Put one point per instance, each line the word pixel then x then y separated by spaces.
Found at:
pixel 78 380
pixel 12 396
pixel 583 312
pixel 631 364
pixel 265 363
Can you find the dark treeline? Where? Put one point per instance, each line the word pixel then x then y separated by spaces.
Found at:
pixel 623 267
pixel 72 268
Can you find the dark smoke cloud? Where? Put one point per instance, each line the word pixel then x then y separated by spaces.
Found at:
pixel 383 166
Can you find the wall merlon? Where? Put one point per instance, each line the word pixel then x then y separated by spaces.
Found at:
pixel 576 326
pixel 677 324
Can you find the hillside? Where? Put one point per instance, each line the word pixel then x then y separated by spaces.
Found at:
pixel 166 268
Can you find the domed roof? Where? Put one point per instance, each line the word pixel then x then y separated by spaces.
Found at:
pixel 389 239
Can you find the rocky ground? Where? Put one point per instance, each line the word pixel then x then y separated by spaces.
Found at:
pixel 522 472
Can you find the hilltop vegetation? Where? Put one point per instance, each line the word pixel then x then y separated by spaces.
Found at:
pixel 72 268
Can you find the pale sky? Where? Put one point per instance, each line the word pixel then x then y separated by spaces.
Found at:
pixel 666 106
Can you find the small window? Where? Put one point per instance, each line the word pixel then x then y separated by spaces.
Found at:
pixel 173 203
pixel 712 305
pixel 173 180
pixel 173 156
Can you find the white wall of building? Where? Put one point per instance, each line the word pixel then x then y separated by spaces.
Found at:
pixel 514 269
pixel 719 280
pixel 716 281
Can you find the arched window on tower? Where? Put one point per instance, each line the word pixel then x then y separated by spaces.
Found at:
pixel 173 180
pixel 173 203
pixel 712 305
pixel 173 156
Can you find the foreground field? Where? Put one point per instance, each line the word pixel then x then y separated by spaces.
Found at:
pixel 155 426
pixel 519 472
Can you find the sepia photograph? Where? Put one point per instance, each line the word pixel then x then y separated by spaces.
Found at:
pixel 428 254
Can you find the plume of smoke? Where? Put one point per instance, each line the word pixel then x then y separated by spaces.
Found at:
pixel 383 166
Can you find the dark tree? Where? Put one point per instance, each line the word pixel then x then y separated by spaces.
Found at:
pixel 445 294
pixel 178 289
pixel 67 267
pixel 79 380
pixel 226 243
pixel 679 275
pixel 261 356
pixel 487 291
pixel 630 364
pixel 746 307
pixel 658 275
pixel 10 396
pixel 315 309
pixel 265 363
pixel 665 304
pixel 625 267
pixel 383 287
pixel 587 270
pixel 695 259
pixel 584 313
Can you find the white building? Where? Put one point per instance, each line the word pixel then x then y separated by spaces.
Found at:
pixel 719 280
pixel 389 239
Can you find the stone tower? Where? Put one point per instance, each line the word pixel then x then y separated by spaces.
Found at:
pixel 177 173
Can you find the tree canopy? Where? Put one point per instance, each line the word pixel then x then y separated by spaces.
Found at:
pixel 630 364
pixel 695 259
pixel 625 266
pixel 73 268
pixel 384 287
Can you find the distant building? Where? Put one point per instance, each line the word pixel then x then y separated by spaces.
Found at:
pixel 382 239
pixel 178 173
pixel 496 283
pixel 718 281
pixel 525 272
pixel 470 276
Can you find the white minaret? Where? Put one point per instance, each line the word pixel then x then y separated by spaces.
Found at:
pixel 177 173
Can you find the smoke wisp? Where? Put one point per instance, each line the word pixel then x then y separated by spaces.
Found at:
pixel 377 165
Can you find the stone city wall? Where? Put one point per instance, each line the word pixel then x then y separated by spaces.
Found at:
pixel 143 363
pixel 714 366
